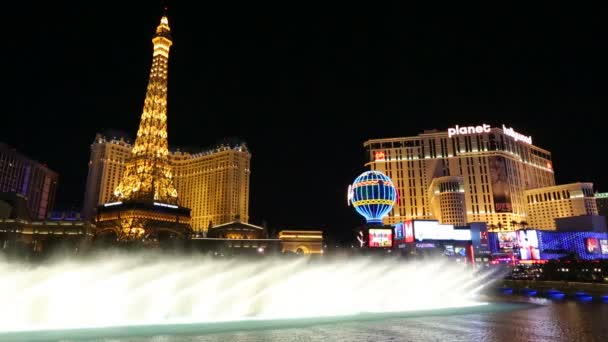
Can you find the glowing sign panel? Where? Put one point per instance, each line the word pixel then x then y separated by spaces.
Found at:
pixel 379 155
pixel 380 238
pixel 517 136
pixel 460 251
pixel 399 232
pixel 527 240
pixel 592 245
pixel 404 232
pixel 432 230
pixel 604 246
pixel 409 231
pixel 506 240
pixel 484 128
pixel 468 130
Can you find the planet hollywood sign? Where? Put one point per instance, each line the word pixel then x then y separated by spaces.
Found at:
pixel 484 128
pixel 517 136
pixel 468 130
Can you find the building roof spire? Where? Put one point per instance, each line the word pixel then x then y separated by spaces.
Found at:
pixel 163 29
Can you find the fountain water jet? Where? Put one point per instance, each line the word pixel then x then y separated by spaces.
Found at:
pixel 144 289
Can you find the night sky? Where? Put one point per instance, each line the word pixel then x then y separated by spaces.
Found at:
pixel 304 84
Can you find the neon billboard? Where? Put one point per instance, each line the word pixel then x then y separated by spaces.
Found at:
pixel 432 230
pixel 381 237
pixel 485 128
pixel 458 130
pixel 527 240
pixel 592 245
pixel 379 155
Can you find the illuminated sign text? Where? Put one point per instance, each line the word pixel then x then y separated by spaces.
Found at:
pixel 517 136
pixel 379 155
pixel 468 130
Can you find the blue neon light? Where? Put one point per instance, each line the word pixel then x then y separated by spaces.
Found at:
pixel 553 244
pixel 373 195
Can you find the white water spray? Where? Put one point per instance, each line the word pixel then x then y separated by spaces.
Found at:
pixel 145 289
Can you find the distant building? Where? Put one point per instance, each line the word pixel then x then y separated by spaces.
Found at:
pixel 601 199
pixel 301 241
pixel 106 166
pixel 236 230
pixel 545 205
pixel 228 237
pixel 496 164
pixel 214 183
pixel 21 235
pixel 33 180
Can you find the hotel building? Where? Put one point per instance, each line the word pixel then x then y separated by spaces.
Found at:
pixel 497 165
pixel 544 205
pixel 601 199
pixel 106 166
pixel 214 184
pixel 22 175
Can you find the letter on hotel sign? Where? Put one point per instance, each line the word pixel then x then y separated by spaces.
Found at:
pixel 517 136
pixel 379 155
pixel 468 130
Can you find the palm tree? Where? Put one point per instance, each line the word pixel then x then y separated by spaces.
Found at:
pixel 514 223
pixel 524 224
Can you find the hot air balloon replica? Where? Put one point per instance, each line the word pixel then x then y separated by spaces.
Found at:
pixel 373 195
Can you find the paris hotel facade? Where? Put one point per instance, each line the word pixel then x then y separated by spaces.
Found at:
pixel 467 174
pixel 214 183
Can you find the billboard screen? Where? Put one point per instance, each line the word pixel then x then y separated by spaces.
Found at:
pixel 399 232
pixel 506 240
pixel 432 230
pixel 404 232
pixel 380 237
pixel 449 250
pixel 500 185
pixel 409 231
pixel 527 240
pixel 460 251
pixel 592 245
pixel 604 246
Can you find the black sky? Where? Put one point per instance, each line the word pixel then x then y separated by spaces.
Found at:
pixel 304 84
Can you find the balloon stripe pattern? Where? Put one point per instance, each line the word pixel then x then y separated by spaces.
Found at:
pixel 373 195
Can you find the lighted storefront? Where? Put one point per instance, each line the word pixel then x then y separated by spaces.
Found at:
pixel 427 237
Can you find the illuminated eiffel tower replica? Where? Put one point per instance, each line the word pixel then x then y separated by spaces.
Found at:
pixel 145 205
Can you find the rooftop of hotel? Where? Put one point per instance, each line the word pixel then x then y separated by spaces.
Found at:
pixel 121 138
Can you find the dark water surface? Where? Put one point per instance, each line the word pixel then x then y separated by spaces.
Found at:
pixel 530 320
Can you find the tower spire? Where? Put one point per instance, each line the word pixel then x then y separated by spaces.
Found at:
pixel 148 175
pixel 165 6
